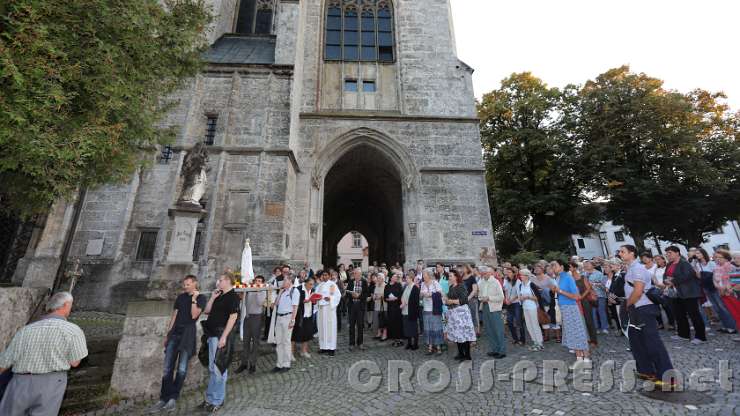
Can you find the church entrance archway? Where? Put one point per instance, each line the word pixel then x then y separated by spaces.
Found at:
pixel 362 192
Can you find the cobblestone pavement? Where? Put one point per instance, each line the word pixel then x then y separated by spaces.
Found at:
pixel 320 386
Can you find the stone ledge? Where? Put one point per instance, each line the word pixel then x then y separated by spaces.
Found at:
pixel 384 116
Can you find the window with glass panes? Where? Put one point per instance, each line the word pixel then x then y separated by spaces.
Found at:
pixel 147 244
pixel 254 16
pixel 211 122
pixel 359 32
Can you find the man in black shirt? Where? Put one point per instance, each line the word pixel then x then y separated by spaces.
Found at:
pixel 179 343
pixel 223 312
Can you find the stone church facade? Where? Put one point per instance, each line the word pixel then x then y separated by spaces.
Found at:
pixel 320 117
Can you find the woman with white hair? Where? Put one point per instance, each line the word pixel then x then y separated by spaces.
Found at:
pixel 529 300
pixel 379 308
pixel 431 295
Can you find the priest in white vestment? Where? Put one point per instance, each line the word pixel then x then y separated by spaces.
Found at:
pixel 327 319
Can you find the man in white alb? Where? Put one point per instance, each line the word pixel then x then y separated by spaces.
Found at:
pixel 327 322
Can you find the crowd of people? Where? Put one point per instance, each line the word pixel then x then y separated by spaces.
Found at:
pixel 571 303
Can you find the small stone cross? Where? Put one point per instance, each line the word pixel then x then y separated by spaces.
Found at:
pixel 74 274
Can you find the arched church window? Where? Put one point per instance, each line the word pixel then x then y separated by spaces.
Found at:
pixel 359 30
pixel 255 16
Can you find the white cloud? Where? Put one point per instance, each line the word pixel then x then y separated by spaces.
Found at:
pixel 688 44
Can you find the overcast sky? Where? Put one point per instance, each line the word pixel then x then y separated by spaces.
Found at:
pixel 687 43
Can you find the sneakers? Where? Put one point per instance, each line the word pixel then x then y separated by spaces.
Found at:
pixel 697 341
pixel 157 407
pixel 305 355
pixel 171 406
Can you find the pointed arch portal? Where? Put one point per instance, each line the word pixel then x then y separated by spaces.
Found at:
pixel 363 192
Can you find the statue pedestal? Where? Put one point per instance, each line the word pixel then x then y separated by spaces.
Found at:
pixel 183 233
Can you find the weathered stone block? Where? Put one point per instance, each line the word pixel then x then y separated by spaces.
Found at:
pixel 140 355
pixel 17 304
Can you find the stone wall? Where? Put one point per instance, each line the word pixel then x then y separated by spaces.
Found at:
pixel 272 139
pixel 246 194
pixel 140 356
pixel 432 80
pixel 17 304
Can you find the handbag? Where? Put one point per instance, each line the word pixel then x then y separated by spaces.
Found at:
pixel 542 317
pixel 592 297
pixel 654 295
pixel 436 303
pixel 707 281
pixel 5 381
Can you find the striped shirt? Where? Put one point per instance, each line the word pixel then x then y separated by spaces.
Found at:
pixel 45 346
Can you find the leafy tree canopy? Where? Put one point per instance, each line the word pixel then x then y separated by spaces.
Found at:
pixel 81 87
pixel 537 195
pixel 668 163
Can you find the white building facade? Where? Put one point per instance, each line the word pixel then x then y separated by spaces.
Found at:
pixel 610 237
pixel 353 249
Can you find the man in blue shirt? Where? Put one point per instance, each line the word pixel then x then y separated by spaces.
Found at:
pixel 650 355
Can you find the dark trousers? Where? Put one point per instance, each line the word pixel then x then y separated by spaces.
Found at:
pixel 175 370
pixel 685 309
pixel 515 322
pixel 666 305
pixel 356 322
pixel 251 341
pixel 463 349
pixel 340 312
pixel 266 326
pixel 613 316
pixel 647 348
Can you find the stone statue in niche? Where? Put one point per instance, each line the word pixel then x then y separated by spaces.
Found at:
pixel 194 170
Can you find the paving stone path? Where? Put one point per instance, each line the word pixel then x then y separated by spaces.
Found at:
pixel 320 385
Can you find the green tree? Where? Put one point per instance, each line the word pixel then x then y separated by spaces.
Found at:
pixel 81 90
pixel 667 163
pixel 537 199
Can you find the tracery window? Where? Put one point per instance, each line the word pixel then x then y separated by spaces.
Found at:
pixel 255 16
pixel 359 30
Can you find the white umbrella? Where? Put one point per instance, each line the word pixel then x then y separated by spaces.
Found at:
pixel 247 276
